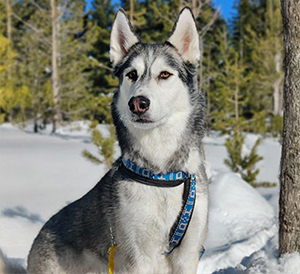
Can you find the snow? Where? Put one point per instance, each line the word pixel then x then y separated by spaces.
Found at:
pixel 241 222
pixel 41 173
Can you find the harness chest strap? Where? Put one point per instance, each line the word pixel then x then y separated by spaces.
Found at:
pixel 181 225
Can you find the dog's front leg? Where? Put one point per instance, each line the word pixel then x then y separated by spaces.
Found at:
pixel 143 265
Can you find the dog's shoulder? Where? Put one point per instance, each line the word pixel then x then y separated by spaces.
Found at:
pixel 92 205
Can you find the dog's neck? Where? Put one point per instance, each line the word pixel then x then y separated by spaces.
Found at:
pixel 164 149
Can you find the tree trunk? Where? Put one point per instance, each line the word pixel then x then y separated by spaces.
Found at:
pixel 8 32
pixel 236 91
pixel 8 22
pixel 200 69
pixel 277 96
pixel 277 86
pixel 207 94
pixel 131 12
pixel 289 214
pixel 54 76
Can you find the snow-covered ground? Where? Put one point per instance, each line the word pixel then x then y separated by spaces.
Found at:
pixel 41 173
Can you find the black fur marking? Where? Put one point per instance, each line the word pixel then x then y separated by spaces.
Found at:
pixel 133 52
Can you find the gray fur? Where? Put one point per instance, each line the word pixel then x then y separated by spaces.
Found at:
pixel 139 217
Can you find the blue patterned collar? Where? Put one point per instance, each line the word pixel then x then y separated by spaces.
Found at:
pixel 170 176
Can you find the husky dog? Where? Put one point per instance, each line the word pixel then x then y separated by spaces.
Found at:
pixel 158 115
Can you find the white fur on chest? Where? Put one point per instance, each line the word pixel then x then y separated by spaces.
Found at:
pixel 145 217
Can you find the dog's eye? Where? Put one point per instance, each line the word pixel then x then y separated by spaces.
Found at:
pixel 132 75
pixel 165 75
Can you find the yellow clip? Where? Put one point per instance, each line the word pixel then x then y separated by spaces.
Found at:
pixel 111 260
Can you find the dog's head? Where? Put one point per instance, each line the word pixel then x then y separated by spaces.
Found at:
pixel 154 80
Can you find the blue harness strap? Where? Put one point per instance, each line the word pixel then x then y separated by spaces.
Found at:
pixel 171 179
pixel 180 227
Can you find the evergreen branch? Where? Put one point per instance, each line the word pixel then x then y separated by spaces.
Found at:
pixel 264 184
pixel 166 18
pixel 98 139
pixel 44 39
pixel 91 157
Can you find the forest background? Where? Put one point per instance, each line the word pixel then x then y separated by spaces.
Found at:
pixel 55 67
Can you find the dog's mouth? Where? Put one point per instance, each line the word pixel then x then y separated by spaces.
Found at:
pixel 141 120
pixel 144 122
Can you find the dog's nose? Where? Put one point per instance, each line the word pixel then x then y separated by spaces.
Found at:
pixel 139 104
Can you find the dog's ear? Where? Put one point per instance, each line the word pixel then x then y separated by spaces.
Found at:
pixel 122 37
pixel 185 38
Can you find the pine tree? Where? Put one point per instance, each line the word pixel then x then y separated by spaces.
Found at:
pixel 106 147
pixel 208 22
pixel 160 16
pixel 245 165
pixel 234 147
pixel 103 84
pixel 56 39
pixel 248 12
pixel 135 11
pixel 267 65
pixel 229 80
pixel 74 39
pixel 15 98
pixel 6 89
pixel 21 99
pixel 248 164
pixel 2 18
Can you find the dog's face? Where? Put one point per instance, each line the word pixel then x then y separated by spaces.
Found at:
pixel 153 78
pixel 151 89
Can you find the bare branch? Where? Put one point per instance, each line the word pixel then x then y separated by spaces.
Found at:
pixel 62 11
pixel 100 64
pixel 166 18
pixel 196 6
pixel 38 6
pixel 43 11
pixel 71 84
pixel 209 24
pixel 74 111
